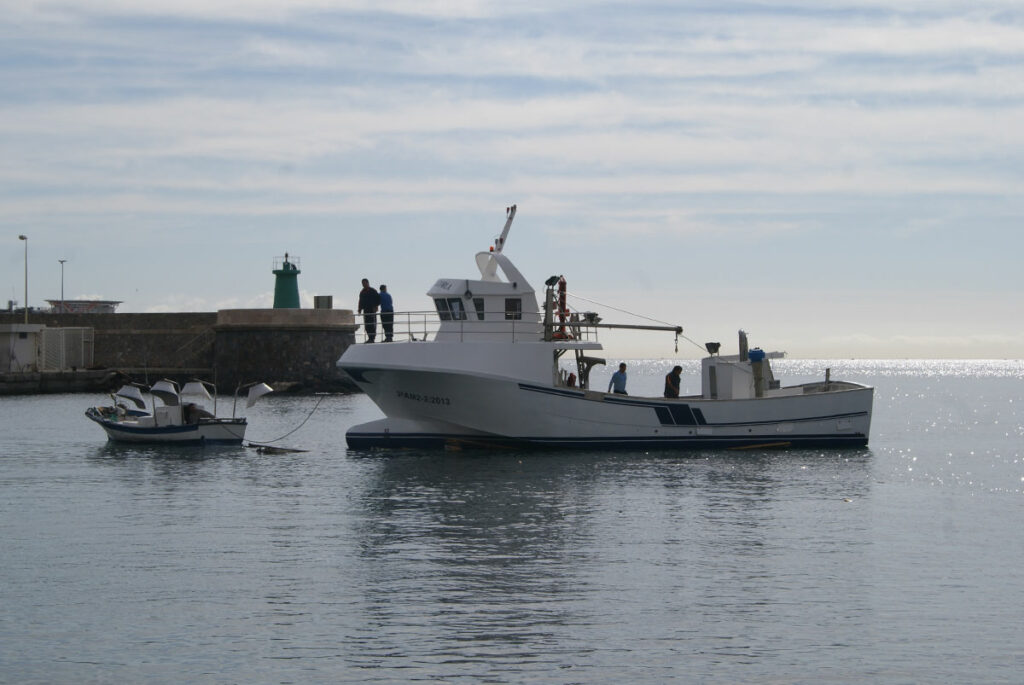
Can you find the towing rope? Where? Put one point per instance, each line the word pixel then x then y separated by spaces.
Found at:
pixel 269 442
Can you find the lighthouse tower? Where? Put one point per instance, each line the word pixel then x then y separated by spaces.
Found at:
pixel 286 286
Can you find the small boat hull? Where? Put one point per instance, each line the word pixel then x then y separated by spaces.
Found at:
pixel 206 431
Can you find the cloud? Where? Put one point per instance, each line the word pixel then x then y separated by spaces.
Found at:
pixel 180 303
pixel 824 148
pixel 853 132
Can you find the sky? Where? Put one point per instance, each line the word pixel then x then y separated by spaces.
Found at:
pixel 839 179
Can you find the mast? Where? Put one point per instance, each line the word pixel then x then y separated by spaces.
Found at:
pixel 499 242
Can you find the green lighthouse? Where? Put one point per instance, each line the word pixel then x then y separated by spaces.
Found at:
pixel 286 286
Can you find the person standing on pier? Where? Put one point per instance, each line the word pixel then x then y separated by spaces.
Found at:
pixel 369 300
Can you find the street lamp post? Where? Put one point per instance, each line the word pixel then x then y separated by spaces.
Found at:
pixel 25 238
pixel 63 309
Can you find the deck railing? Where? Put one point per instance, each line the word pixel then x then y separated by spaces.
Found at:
pixel 425 326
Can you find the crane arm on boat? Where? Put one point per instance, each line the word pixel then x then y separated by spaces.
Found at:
pixel 499 242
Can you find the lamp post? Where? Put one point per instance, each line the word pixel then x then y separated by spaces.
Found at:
pixel 63 309
pixel 25 238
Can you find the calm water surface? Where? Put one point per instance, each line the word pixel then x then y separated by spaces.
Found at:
pixel 899 563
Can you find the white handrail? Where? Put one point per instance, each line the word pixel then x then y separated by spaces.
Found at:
pixel 424 325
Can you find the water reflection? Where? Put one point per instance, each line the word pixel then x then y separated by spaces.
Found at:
pixel 118 451
pixel 482 543
pixel 501 552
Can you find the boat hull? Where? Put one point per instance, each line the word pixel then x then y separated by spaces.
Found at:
pixel 207 431
pixel 431 409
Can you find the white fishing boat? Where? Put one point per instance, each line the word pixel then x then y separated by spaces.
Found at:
pixel 492 366
pixel 181 417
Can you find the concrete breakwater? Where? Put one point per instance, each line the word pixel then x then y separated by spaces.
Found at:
pixel 292 349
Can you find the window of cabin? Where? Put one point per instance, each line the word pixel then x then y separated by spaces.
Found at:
pixel 513 309
pixel 450 309
pixel 443 312
pixel 478 305
pixel 457 308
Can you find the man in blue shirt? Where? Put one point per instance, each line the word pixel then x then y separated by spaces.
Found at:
pixel 387 313
pixel 618 381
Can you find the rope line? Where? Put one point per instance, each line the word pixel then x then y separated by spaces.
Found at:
pixel 624 311
pixel 640 316
pixel 308 416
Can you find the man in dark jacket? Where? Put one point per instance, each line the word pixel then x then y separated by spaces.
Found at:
pixel 369 300
pixel 672 382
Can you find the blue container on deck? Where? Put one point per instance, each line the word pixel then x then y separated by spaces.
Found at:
pixel 756 355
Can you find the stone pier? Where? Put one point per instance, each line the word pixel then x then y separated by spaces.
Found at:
pixel 294 349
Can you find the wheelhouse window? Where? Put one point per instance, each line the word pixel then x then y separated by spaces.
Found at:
pixel 478 305
pixel 457 308
pixel 450 309
pixel 443 312
pixel 513 309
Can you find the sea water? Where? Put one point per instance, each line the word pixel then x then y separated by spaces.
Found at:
pixel 902 562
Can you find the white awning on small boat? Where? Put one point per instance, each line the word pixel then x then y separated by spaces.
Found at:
pixel 166 391
pixel 133 395
pixel 196 389
pixel 257 391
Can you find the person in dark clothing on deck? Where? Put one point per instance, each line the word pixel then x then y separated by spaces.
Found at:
pixel 369 300
pixel 387 313
pixel 672 382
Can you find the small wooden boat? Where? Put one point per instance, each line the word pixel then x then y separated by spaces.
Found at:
pixel 182 417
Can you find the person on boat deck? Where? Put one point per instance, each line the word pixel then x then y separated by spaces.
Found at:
pixel 672 382
pixel 387 313
pixel 369 300
pixel 618 381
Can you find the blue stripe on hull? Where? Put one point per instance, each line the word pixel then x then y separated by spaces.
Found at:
pixel 190 441
pixel 679 412
pixel 359 441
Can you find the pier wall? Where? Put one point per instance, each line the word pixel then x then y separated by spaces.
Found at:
pixel 133 341
pixel 293 348
pixel 283 346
